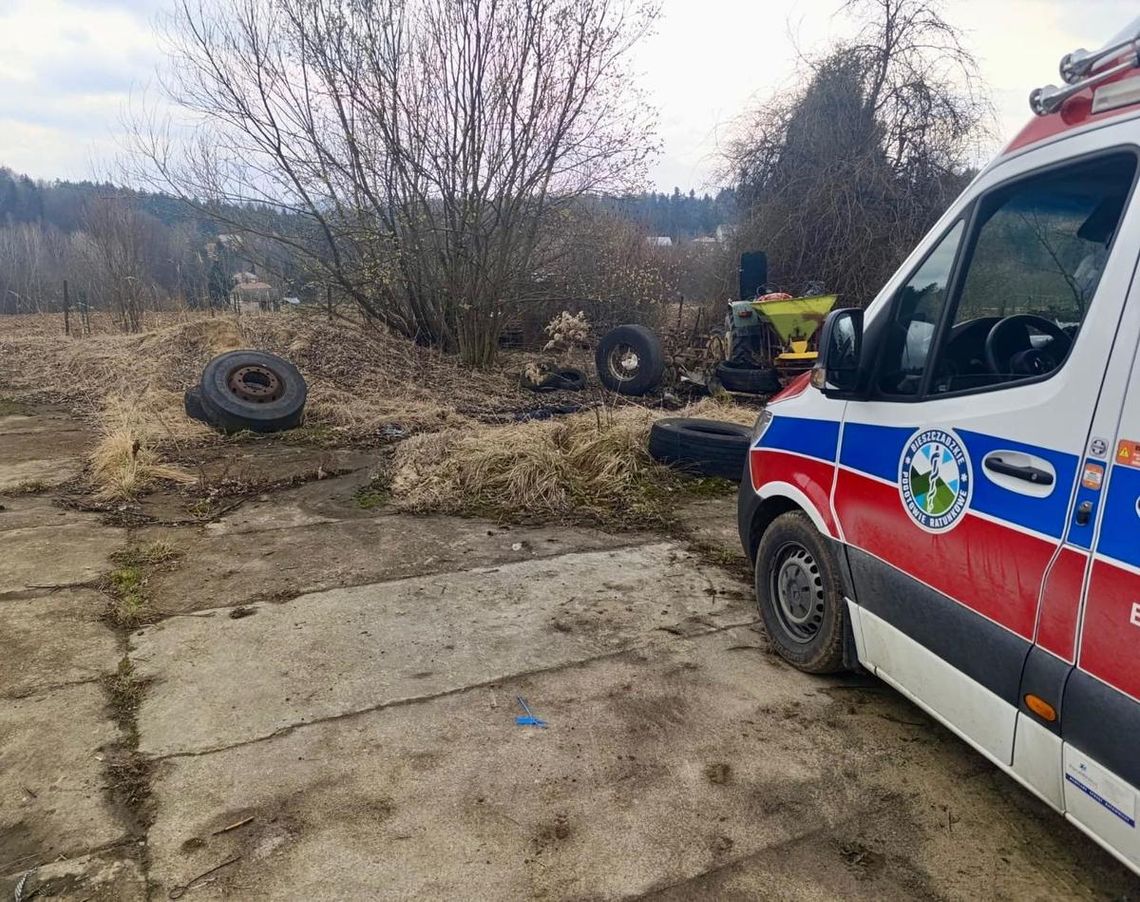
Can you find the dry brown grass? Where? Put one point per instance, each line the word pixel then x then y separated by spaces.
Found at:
pixel 129 385
pixel 361 383
pixel 590 466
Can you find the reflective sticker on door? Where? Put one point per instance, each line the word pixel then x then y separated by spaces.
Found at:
pixel 1094 477
pixel 1102 788
pixel 934 479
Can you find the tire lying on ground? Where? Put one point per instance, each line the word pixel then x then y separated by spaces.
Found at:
pixel 192 401
pixel 252 390
pixel 749 380
pixel 705 447
pixel 559 379
pixel 630 360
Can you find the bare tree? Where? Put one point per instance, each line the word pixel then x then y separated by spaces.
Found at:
pixel 424 146
pixel 117 241
pixel 839 177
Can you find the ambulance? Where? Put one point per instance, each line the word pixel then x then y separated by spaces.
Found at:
pixel 951 498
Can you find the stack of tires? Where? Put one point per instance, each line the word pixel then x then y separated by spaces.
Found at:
pixel 248 390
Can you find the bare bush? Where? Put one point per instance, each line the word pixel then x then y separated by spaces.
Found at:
pixel 426 147
pixel 840 176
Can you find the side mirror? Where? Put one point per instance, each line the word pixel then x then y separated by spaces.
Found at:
pixel 839 367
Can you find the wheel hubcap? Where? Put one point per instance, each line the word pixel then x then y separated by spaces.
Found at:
pixel 624 362
pixel 257 384
pixel 797 586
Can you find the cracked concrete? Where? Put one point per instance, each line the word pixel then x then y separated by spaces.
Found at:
pixel 51 776
pixel 327 711
pixel 53 640
pixel 333 652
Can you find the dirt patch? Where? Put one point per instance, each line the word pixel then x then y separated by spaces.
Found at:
pixel 718 773
pixel 552 833
pixel 128 772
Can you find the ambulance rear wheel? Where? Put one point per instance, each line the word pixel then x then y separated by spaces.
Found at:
pixel 800 595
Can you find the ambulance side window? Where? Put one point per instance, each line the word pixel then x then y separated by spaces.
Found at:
pixel 916 312
pixel 1031 268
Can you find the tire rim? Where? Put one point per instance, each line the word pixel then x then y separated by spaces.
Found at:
pixel 256 384
pixel 623 362
pixel 795 582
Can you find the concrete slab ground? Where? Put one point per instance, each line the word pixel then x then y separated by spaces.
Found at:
pixel 54 640
pixel 109 876
pixel 326 708
pixel 346 650
pixel 52 792
pixel 685 767
pixel 267 559
pixel 26 511
pixel 53 556
pixel 41 449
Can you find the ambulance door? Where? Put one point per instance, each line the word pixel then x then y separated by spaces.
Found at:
pixel 1100 713
pixel 957 478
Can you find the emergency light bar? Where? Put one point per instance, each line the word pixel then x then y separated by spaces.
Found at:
pixel 1083 69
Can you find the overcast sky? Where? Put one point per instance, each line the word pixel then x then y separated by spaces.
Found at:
pixel 69 67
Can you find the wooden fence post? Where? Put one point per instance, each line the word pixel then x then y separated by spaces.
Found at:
pixel 66 310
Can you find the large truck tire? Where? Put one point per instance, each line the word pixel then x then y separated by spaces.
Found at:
pixel 630 360
pixel 253 390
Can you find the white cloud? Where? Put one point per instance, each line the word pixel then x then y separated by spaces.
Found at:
pixel 66 72
pixel 69 67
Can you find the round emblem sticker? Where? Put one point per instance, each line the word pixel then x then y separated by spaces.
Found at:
pixel 934 479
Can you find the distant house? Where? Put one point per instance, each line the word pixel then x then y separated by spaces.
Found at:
pixel 706 241
pixel 253 297
pixel 659 241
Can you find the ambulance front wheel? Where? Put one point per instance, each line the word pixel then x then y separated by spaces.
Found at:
pixel 800 595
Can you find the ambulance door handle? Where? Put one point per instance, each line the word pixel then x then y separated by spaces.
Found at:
pixel 1029 473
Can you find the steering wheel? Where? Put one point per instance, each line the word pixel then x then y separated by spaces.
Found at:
pixel 1010 350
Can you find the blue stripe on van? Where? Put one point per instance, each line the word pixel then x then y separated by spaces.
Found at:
pixel 1044 515
pixel 877 450
pixel 1120 527
pixel 872 449
pixel 812 438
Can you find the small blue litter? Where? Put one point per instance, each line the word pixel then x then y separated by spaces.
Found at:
pixel 528 719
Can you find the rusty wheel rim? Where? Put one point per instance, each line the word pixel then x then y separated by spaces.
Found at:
pixel 256 384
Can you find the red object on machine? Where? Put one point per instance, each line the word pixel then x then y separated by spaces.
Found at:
pixel 774 296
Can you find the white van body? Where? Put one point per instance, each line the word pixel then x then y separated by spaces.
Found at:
pixel 979 491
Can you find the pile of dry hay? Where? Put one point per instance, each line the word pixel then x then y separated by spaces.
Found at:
pixel 360 381
pixel 590 466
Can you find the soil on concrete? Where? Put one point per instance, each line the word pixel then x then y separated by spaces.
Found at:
pixel 325 707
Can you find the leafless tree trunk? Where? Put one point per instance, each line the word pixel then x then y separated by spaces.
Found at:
pixel 117 237
pixel 425 148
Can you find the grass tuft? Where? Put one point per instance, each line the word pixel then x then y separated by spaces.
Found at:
pixel 590 467
pixel 376 494
pixel 127 583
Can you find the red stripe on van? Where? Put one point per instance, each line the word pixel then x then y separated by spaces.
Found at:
pixel 990 568
pixel 812 477
pixel 1110 638
pixel 1057 625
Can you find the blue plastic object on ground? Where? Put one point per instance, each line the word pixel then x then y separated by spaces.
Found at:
pixel 528 719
